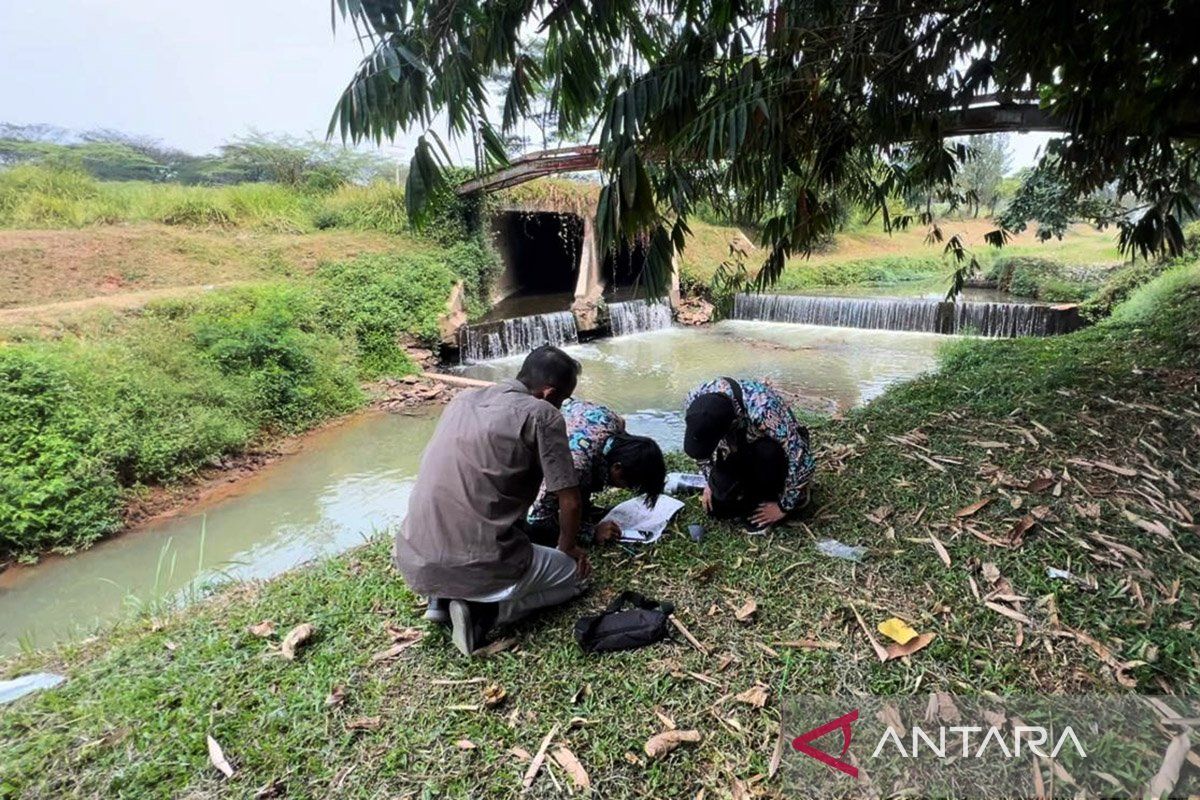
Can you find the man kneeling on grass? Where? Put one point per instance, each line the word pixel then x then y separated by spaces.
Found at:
pixel 464 543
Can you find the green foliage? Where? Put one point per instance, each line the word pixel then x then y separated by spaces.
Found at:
pixel 43 197
pixel 270 342
pixel 790 112
pixel 1046 279
pixel 198 210
pixel 188 382
pixel 879 271
pixel 311 165
pixel 38 196
pixel 56 491
pixel 1123 283
pixel 378 206
pixel 377 299
pixel 981 174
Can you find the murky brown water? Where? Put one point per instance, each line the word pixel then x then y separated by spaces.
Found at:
pixel 353 479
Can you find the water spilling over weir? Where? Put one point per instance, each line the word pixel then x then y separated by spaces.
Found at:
pixel 928 316
pixel 510 337
pixel 638 316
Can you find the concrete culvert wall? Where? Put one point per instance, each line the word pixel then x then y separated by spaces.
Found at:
pixel 540 251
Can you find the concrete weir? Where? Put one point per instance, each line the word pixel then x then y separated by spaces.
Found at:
pixel 924 315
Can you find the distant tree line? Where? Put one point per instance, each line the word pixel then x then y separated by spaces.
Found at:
pixel 113 155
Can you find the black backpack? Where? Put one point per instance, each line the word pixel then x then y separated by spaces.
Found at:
pixel 616 628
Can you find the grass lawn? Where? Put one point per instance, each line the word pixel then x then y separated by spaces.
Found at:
pixel 900 256
pixel 53 266
pixel 1084 445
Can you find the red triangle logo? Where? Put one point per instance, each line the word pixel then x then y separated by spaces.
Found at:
pixel 842 723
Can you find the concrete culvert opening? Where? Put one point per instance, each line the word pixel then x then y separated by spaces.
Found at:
pixel 623 267
pixel 540 251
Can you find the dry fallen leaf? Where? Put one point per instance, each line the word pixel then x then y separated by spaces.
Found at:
pixel 755 696
pixel 662 743
pixel 897 630
pixel 498 646
pixel 940 548
pixel 364 724
pixel 919 643
pixel 521 754
pixel 535 764
pixel 1017 535
pixel 263 629
pixel 403 639
pixel 747 611
pixel 296 637
pixel 276 788
pixel 493 695
pixel 337 696
pixel 1039 484
pixel 465 744
pixel 398 634
pixel 1168 774
pixel 570 764
pixel 217 756
pixel 967 511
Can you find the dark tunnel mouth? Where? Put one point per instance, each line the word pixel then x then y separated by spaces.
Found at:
pixel 540 250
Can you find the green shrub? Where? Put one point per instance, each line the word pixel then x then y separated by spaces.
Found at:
pixel 265 340
pixel 189 381
pixel 377 299
pixel 1046 279
pixel 197 209
pixel 892 269
pixel 56 492
pixel 1120 284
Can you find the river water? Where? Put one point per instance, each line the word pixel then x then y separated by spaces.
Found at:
pixel 354 478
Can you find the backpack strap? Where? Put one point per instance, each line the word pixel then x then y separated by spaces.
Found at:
pixel 637 600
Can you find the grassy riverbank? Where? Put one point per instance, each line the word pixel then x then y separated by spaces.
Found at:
pixel 1083 445
pixel 121 401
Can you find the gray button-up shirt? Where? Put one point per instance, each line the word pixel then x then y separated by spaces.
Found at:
pixel 479 474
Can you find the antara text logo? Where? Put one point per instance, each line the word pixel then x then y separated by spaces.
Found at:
pixel 965 741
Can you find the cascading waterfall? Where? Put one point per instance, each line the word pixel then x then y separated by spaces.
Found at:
pixel 636 316
pixel 510 337
pixel 902 314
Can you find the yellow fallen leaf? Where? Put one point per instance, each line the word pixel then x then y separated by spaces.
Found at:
pixel 897 630
pixel 493 695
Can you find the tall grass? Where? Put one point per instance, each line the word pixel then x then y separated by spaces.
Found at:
pixel 47 197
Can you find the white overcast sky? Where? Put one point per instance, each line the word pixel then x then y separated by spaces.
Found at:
pixel 191 74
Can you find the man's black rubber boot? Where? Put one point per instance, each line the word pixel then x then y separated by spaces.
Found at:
pixel 438 611
pixel 470 623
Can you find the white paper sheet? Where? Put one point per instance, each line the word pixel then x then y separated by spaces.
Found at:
pixel 641 524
